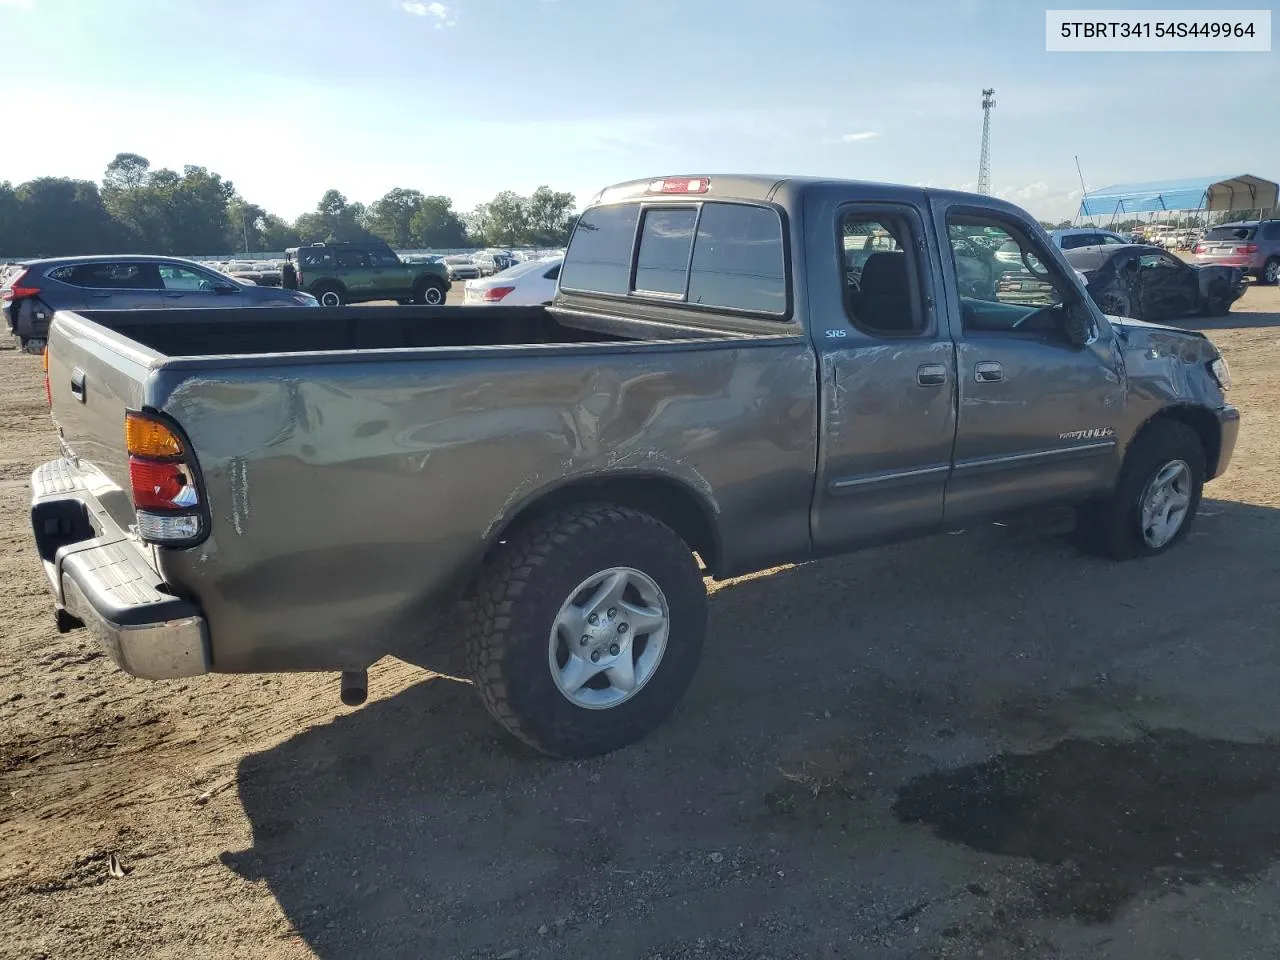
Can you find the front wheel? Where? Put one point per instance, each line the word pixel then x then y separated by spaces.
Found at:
pixel 430 293
pixel 1156 498
pixel 1271 271
pixel 586 629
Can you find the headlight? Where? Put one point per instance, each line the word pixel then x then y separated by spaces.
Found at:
pixel 1221 372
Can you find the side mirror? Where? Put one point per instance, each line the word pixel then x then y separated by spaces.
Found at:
pixel 1078 324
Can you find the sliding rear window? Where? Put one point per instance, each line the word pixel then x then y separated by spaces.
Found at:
pixel 715 255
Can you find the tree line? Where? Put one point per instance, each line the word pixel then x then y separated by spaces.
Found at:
pixel 137 209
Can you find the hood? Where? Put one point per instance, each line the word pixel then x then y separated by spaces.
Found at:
pixel 1129 324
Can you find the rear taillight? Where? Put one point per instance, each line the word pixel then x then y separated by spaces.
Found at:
pixel 494 294
pixel 18 289
pixel 163 482
pixel 1247 248
pixel 1199 248
pixel 48 390
pixel 298 274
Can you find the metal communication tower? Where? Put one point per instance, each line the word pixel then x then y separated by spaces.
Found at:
pixel 984 164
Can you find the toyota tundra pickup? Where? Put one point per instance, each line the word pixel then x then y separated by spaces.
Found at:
pixel 736 372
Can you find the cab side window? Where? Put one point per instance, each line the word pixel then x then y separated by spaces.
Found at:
pixel 881 275
pixel 352 259
pixel 1000 276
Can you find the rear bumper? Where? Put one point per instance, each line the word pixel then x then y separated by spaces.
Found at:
pixel 101 578
pixel 1229 423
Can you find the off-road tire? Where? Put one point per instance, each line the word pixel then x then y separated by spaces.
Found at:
pixel 429 293
pixel 1113 527
pixel 320 290
pixel 509 614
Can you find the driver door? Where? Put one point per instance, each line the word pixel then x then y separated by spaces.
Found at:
pixel 1037 412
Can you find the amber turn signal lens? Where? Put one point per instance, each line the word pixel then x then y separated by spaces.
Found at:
pixel 149 438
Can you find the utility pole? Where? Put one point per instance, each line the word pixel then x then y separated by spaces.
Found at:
pixel 984 163
pixel 1084 192
pixel 245 227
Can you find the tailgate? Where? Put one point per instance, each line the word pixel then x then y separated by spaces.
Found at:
pixel 96 375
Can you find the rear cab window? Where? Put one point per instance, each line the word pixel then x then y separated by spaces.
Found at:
pixel 714 254
pixel 1230 233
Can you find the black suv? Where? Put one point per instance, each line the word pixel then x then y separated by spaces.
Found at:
pixel 338 273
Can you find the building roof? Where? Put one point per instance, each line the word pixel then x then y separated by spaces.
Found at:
pixel 1240 192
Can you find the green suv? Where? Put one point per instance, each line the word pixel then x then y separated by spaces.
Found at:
pixel 338 273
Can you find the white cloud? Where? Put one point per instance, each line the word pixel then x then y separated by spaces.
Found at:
pixel 443 15
pixel 861 137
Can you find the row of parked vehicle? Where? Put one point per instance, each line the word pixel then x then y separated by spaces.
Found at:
pixel 321 274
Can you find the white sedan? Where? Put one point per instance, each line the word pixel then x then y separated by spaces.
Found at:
pixel 526 284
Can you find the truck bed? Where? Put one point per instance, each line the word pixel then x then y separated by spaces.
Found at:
pixel 190 333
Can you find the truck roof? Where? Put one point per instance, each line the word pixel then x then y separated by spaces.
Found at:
pixel 783 189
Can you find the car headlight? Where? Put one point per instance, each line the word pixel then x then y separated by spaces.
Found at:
pixel 1221 372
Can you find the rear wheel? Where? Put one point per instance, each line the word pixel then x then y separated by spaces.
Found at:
pixel 1156 497
pixel 586 629
pixel 1271 271
pixel 429 292
pixel 329 295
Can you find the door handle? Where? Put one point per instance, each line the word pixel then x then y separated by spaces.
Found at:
pixel 988 371
pixel 77 384
pixel 931 374
pixel 174 296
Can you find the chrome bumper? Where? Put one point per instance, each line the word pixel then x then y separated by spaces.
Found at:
pixel 101 578
pixel 1229 422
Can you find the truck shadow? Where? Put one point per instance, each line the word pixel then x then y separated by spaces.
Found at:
pixel 827 693
pixel 1235 320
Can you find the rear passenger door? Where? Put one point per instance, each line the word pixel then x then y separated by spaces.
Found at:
pixel 888 412
pixel 119 285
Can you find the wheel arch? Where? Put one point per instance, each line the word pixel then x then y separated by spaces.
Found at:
pixel 661 496
pixel 1199 419
pixel 327 283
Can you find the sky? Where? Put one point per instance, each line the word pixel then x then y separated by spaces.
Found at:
pixel 287 98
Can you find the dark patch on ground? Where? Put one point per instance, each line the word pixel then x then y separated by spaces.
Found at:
pixel 1115 817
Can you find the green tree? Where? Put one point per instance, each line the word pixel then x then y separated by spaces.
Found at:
pixel 435 225
pixel 477 223
pixel 277 234
pixel 508 219
pixel 65 217
pixel 391 217
pixel 126 172
pixel 15 239
pixel 245 222
pixel 548 216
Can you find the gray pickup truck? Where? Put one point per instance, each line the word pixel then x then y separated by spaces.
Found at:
pixel 737 372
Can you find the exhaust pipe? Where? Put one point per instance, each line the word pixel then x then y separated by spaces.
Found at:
pixel 354 687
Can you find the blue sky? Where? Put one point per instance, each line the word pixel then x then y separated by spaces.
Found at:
pixel 467 97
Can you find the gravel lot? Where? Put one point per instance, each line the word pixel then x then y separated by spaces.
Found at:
pixel 976 745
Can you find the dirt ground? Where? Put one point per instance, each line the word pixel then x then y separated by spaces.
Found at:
pixel 977 745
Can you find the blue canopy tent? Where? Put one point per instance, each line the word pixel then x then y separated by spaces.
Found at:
pixel 1242 192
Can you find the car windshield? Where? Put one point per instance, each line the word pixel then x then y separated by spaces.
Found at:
pixel 459 261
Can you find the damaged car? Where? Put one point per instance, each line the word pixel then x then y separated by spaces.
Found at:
pixel 1147 283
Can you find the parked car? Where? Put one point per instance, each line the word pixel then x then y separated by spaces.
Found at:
pixel 310 495
pixel 462 268
pixel 1251 245
pixel 1070 238
pixel 339 273
pixel 124 283
pixel 263 274
pixel 533 282
pixel 486 263
pixel 1147 283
